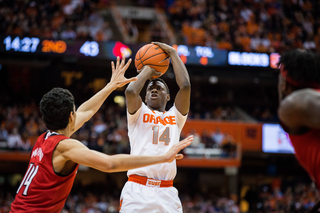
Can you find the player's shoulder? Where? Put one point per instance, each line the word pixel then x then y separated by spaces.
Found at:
pixel 142 109
pixel 175 110
pixel 305 92
pixel 301 97
pixel 67 144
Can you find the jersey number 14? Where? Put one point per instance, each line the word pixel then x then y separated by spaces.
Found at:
pixel 164 137
pixel 32 171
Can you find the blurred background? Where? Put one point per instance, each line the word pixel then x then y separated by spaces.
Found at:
pixel 240 160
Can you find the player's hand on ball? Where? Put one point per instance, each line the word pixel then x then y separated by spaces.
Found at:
pixel 165 47
pixel 118 72
pixel 172 154
pixel 152 71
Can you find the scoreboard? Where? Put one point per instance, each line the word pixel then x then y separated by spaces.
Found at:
pixel 205 56
pixel 190 55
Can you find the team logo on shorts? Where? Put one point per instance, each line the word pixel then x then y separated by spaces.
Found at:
pixel 153 183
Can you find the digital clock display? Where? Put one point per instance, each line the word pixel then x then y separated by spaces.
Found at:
pixel 25 44
pixel 50 46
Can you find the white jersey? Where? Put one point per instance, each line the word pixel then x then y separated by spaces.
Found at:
pixel 154 133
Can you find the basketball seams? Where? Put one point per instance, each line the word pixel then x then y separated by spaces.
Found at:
pixel 145 51
pixel 151 57
pixel 143 54
pixel 152 65
pixel 140 58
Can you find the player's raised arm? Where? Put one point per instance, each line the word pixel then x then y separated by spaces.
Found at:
pixel 299 111
pixel 182 100
pixel 133 90
pixel 91 106
pixel 75 151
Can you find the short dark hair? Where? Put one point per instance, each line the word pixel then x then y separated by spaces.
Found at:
pixel 302 67
pixel 162 81
pixel 55 107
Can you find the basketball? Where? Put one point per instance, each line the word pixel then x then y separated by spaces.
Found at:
pixel 153 56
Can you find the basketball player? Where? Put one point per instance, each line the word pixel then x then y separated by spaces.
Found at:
pixel 299 110
pixel 55 157
pixel 152 131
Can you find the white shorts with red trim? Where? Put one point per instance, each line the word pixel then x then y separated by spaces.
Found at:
pixel 152 198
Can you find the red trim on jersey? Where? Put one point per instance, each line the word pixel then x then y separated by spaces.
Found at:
pixel 284 73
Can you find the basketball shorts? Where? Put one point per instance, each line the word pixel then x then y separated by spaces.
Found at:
pixel 149 197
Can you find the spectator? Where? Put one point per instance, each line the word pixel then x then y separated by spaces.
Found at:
pixel 196 143
pixel 217 137
pixel 255 42
pixel 156 33
pixel 3 132
pixel 26 139
pixel 14 140
pixel 206 139
pixel 69 33
pixel 104 33
pixel 132 30
pixel 82 31
pixel 246 13
pixel 267 116
pixel 225 43
pixel 309 43
pixel 99 125
pixel 229 146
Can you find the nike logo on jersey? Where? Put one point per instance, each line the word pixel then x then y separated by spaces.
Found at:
pixel 149 118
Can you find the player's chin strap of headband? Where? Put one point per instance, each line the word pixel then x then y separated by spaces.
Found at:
pixel 284 73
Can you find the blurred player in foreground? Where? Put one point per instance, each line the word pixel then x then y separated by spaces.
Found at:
pixel 299 109
pixel 55 157
pixel 153 131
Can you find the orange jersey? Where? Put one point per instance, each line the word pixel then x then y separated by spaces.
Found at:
pixel 154 133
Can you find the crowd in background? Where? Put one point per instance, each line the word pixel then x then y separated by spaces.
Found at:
pixel 55 19
pixel 229 113
pixel 254 25
pixel 218 113
pixel 213 140
pixel 106 131
pixel 97 199
pixel 298 197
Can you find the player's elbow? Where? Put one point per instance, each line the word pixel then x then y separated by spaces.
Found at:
pixel 110 166
pixel 186 86
pixel 130 92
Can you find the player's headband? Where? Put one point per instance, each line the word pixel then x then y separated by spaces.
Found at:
pixel 284 73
